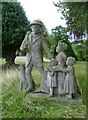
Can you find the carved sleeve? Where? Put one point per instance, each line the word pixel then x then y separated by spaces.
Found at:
pixel 54 68
pixel 26 42
pixel 46 49
pixel 68 69
pixel 51 73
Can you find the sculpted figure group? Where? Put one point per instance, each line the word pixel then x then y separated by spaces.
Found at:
pixel 59 80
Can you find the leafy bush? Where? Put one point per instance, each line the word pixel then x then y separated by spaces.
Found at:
pixel 81 50
pixel 14 27
pixel 59 34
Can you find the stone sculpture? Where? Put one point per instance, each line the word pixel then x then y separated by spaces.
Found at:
pixel 22 77
pixel 52 78
pixel 70 83
pixel 34 42
pixel 61 59
pixel 67 85
pixel 59 79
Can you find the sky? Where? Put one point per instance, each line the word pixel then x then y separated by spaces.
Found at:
pixel 43 10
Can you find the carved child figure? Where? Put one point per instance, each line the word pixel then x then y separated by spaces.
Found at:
pixel 70 84
pixel 52 77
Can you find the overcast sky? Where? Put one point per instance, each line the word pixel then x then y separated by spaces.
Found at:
pixel 43 10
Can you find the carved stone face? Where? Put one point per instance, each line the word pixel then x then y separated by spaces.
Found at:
pixel 35 28
pixel 70 61
pixel 58 48
pixel 67 62
pixel 61 47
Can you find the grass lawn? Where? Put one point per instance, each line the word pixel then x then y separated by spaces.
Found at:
pixel 17 104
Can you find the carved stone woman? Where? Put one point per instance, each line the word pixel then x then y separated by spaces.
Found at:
pixel 61 59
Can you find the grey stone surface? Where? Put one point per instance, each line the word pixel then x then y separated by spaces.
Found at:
pixel 22 77
pixel 52 77
pixel 59 80
pixel 70 83
pixel 34 42
pixel 67 85
pixel 61 59
pixel 62 99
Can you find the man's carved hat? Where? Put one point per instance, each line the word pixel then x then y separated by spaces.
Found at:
pixel 36 22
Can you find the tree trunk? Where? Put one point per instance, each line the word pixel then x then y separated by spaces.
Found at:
pixel 9 54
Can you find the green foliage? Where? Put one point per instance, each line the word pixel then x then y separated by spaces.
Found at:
pixel 76 15
pixel 17 104
pixel 2 61
pixel 59 34
pixel 14 28
pixel 14 23
pixel 81 51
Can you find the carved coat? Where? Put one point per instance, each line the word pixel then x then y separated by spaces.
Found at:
pixel 35 45
pixel 52 79
pixel 61 58
pixel 38 44
pixel 70 80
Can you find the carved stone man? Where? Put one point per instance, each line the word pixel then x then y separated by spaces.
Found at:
pixel 35 42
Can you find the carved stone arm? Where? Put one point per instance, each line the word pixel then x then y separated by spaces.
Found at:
pixel 54 68
pixel 46 48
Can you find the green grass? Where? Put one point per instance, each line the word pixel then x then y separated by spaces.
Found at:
pixel 80 71
pixel 17 104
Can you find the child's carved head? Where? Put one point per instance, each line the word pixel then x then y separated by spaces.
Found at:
pixel 70 61
pixel 53 62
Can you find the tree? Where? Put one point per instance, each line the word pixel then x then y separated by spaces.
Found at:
pixel 76 16
pixel 59 34
pixel 81 50
pixel 14 27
